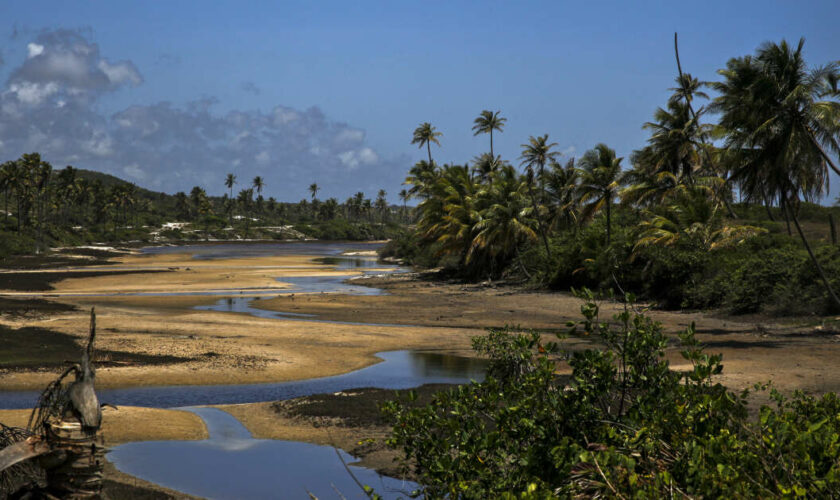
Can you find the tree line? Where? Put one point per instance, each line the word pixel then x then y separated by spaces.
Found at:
pixel 43 206
pixel 776 139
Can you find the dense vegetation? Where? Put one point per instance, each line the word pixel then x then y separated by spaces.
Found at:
pixel 666 223
pixel 622 425
pixel 42 207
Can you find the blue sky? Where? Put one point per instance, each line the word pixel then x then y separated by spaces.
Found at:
pixel 330 91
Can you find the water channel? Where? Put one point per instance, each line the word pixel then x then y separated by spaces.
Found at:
pixel 255 468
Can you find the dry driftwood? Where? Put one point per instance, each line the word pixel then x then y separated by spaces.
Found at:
pixel 62 441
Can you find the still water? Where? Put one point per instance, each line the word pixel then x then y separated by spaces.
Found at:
pixel 231 464
pixel 398 370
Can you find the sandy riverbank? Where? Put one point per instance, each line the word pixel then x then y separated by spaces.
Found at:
pixel 211 347
pixel 229 348
pixel 163 340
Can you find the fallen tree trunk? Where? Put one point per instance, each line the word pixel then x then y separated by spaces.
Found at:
pixel 33 446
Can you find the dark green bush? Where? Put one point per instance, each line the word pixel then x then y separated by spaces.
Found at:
pixel 623 425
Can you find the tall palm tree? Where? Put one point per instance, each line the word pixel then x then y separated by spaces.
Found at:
pixel 600 171
pixel 486 123
pixel 537 153
pixel 381 204
pixel 782 120
pixel 230 181
pixel 258 184
pixel 424 135
pixel 313 190
pixel 245 199
pixel 561 193
pixel 673 145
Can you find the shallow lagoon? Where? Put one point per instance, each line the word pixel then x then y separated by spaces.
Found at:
pixel 231 464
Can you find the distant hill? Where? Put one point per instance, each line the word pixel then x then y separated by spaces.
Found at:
pixel 109 180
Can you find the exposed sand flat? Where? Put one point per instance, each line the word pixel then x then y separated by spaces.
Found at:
pixel 186 275
pixel 226 348
pixel 232 348
pixel 132 423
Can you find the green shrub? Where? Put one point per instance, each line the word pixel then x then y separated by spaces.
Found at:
pixel 623 425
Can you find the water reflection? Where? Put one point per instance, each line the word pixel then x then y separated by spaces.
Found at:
pixel 232 464
pixel 246 305
pixel 398 370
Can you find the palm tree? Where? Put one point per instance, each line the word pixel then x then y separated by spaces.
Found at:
pixel 484 165
pixel 672 146
pixel 230 180
pixel 197 198
pixel 381 204
pixel 537 153
pixel 782 121
pixel 245 199
pixel 422 177
pixel 6 184
pixel 600 172
pixel 424 135
pixel 507 222
pixel 561 193
pixel 313 190
pixel 259 185
pixel 404 198
pixel 486 123
pixel 692 217
pixel 451 223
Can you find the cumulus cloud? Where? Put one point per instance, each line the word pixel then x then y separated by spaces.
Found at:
pixel 49 103
pixel 65 64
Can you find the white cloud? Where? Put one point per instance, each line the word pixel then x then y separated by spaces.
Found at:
pixel 120 73
pixel 34 50
pixel 68 60
pixel 50 104
pixel 33 93
pixel 354 159
pixel 368 156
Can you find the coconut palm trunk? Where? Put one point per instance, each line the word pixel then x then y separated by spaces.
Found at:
pixel 819 268
pixel 491 144
pixel 540 224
